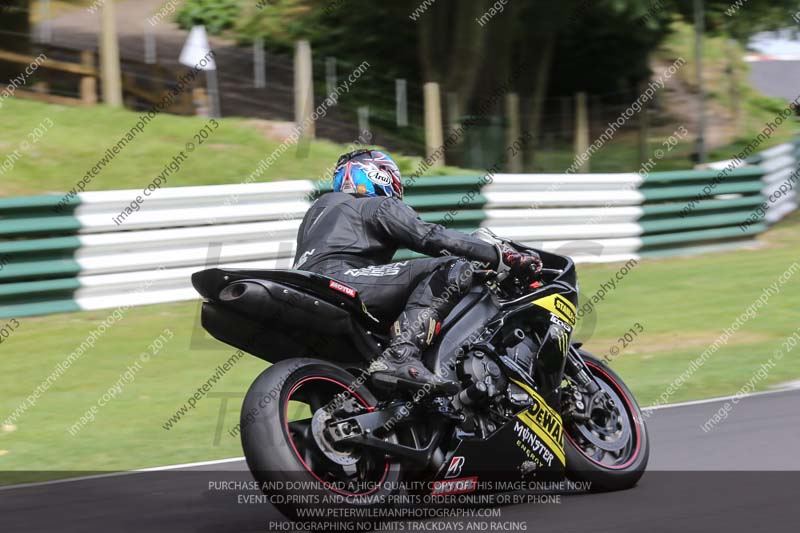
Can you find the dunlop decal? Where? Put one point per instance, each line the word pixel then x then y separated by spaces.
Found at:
pixel 560 306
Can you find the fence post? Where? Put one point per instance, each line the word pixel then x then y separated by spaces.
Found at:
pixel 330 75
pixel 259 68
pixel 433 121
pixel 581 130
pixel 46 24
pixel 88 85
pixel 596 109
pixel 452 111
pixel 513 132
pixel 644 127
pixel 401 102
pixel 734 84
pixel 212 82
pixel 566 117
pixel 149 45
pixel 699 31
pixel 200 101
pixel 303 88
pixel 363 123
pixel 128 81
pixel 109 57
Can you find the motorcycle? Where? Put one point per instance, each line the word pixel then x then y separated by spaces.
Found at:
pixel 533 404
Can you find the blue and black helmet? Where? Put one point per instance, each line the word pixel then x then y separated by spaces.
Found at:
pixel 368 172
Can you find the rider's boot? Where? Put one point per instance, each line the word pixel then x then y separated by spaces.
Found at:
pixel 400 367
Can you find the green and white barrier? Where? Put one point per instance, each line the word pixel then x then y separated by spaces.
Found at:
pixel 80 258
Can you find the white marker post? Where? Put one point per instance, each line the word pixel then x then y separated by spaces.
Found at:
pixel 195 53
pixel 259 65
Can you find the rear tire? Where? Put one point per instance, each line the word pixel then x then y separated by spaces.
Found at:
pixel 278 454
pixel 581 466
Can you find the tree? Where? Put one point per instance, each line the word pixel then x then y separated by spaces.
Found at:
pixel 472 47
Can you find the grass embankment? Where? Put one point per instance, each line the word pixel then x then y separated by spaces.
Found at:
pixel 726 78
pixel 79 137
pixel 683 305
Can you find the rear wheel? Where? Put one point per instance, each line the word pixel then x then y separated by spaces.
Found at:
pixel 282 427
pixel 610 447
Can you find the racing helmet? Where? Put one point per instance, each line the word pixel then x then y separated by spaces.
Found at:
pixel 368 172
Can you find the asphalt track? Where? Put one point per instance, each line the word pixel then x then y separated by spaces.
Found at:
pixel 743 475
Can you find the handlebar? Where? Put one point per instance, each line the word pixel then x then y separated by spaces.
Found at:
pixel 512 284
pixel 484 275
pixel 555 271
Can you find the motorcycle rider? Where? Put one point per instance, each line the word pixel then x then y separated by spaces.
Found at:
pixel 351 235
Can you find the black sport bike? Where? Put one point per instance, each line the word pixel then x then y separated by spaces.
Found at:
pixel 533 405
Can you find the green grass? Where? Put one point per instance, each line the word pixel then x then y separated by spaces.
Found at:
pixel 127 432
pixel 80 136
pixel 682 303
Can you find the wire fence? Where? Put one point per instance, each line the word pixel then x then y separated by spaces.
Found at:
pixel 257 84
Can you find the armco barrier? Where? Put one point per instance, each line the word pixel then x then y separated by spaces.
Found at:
pixel 780 173
pixel 81 259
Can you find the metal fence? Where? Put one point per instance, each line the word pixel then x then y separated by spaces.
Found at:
pixel 255 83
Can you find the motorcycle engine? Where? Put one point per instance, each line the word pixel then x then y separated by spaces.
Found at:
pixel 488 396
pixel 524 354
pixel 485 385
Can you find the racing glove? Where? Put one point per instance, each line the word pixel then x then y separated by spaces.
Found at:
pixel 520 264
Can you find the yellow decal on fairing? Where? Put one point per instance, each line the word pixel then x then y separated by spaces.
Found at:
pixel 559 306
pixel 544 421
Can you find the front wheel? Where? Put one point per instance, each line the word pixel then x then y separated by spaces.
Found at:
pixel 283 421
pixel 608 446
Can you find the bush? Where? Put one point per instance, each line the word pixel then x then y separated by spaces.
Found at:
pixel 215 15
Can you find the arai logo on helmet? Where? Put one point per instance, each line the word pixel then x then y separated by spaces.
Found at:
pixel 377 175
pixel 380 177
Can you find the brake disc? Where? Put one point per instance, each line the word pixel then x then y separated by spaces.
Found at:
pixel 318 430
pixel 613 434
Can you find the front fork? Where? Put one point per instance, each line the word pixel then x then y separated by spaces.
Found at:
pixel 580 400
pixel 576 369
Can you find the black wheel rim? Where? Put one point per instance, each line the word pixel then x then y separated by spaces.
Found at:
pixel 610 439
pixel 311 394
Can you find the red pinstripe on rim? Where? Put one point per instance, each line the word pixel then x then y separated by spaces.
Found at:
pixel 297 453
pixel 632 416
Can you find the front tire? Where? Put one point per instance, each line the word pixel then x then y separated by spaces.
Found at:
pixel 613 457
pixel 282 444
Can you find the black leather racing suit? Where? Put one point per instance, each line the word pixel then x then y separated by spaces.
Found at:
pixel 352 239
